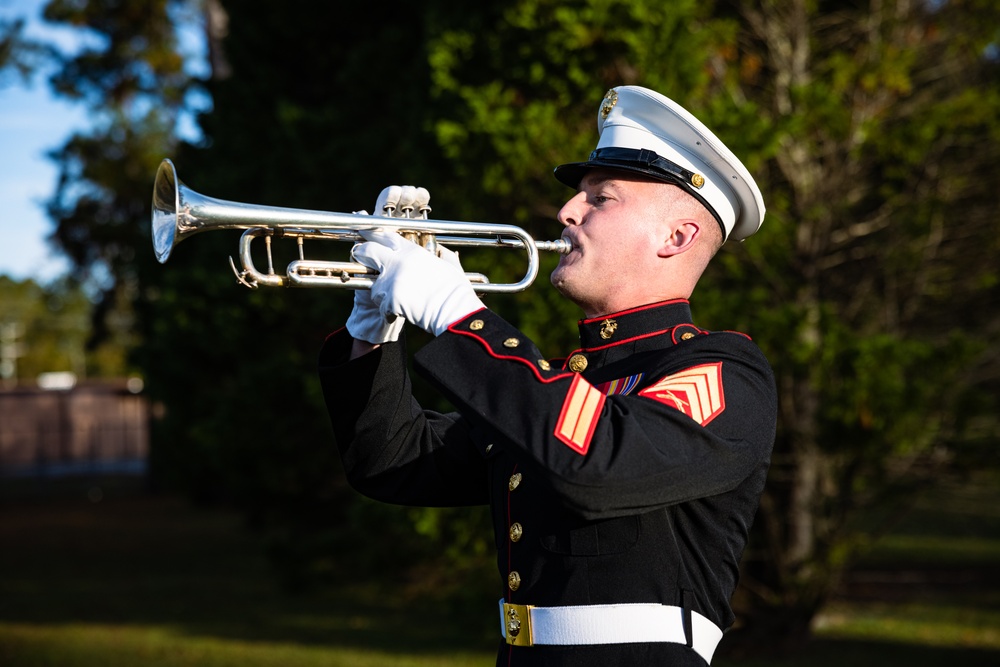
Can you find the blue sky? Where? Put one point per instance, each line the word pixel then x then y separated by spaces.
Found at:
pixel 32 123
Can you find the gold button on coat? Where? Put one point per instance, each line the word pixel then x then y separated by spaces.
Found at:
pixel 511 342
pixel 516 531
pixel 578 363
pixel 687 336
pixel 514 580
pixel 515 480
pixel 544 365
pixel 476 325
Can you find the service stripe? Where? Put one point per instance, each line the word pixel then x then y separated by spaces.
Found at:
pixel 578 417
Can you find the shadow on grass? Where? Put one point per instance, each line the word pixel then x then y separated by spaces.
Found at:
pixel 140 560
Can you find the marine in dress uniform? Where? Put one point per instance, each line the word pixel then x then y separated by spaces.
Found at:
pixel 623 479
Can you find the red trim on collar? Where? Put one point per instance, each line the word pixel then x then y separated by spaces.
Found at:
pixel 628 340
pixel 648 306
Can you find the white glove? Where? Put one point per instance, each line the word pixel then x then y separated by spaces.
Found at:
pixel 367 322
pixel 431 292
pixel 403 201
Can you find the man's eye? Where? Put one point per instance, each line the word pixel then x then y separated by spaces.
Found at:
pixel 600 199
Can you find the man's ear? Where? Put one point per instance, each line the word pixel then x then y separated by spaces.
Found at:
pixel 681 239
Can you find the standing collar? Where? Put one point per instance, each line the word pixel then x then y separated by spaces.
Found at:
pixel 631 325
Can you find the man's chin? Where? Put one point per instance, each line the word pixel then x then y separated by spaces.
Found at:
pixel 563 284
pixel 558 279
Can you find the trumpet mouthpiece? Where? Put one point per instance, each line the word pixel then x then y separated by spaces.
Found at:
pixel 561 246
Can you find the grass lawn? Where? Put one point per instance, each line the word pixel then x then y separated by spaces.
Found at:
pixel 929 591
pixel 121 578
pixel 141 580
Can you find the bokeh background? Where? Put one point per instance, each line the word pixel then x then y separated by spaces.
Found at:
pixel 168 493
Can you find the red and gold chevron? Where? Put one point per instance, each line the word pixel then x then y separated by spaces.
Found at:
pixel 696 391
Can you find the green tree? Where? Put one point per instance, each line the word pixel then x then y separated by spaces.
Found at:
pixel 130 75
pixel 19 56
pixel 46 329
pixel 516 91
pixel 51 322
pixel 876 127
pixel 316 107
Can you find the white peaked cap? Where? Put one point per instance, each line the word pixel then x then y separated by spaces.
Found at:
pixel 642 131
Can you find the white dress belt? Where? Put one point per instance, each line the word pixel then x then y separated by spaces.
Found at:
pixel 525 625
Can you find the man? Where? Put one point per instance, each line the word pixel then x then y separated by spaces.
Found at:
pixel 623 480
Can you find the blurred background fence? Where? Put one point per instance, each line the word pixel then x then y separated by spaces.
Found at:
pixel 99 427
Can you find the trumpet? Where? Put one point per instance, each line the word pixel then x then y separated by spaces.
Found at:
pixel 179 212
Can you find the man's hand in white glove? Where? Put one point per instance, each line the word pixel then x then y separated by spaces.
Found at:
pixel 403 201
pixel 431 292
pixel 367 322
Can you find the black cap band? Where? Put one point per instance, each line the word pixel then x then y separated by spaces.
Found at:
pixel 642 161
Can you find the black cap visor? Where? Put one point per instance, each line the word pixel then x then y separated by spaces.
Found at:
pixel 637 160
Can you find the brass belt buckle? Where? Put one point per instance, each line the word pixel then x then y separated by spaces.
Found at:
pixel 517 621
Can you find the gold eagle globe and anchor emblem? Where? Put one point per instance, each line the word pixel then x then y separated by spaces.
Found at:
pixel 609 102
pixel 608 328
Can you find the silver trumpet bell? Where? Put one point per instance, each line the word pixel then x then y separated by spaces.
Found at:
pixel 179 212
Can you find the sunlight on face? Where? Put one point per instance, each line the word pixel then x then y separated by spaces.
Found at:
pixel 616 223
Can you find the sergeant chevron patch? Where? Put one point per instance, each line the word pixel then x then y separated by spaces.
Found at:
pixel 696 391
pixel 578 418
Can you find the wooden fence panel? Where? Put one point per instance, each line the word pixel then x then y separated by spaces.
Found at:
pixel 89 428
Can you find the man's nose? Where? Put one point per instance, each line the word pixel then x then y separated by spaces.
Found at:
pixel 571 213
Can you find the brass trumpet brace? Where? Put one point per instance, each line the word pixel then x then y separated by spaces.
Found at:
pixel 179 212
